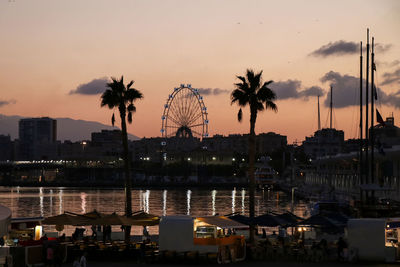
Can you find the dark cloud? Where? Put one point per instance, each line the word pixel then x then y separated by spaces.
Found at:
pixel 391 77
pixel 5 102
pixel 391 64
pixel 382 48
pixel 94 87
pixel 346 91
pixel 337 48
pixel 212 91
pixel 312 91
pixel 292 89
pixel 342 47
pixel 392 99
pixel 394 63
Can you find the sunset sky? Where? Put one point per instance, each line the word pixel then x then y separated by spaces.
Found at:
pixel 56 55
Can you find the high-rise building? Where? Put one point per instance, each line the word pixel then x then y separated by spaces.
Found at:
pixel 37 138
pixel 6 148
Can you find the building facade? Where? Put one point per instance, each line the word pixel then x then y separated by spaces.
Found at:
pixel 37 139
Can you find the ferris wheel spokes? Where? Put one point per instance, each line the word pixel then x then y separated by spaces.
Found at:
pixel 185 114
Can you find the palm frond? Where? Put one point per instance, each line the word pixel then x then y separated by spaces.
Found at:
pixel 109 98
pixel 129 85
pixel 131 108
pixel 132 94
pixel 243 79
pixel 271 105
pixel 237 94
pixel 249 74
pixel 240 115
pixel 129 117
pixel 265 93
pixel 259 106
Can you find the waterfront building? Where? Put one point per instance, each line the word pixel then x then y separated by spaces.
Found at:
pixel 105 145
pixel 37 138
pixel 387 134
pixel 219 149
pixel 325 142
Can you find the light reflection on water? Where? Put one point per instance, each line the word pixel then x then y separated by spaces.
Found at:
pixel 46 201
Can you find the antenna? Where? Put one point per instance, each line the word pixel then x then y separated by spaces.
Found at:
pixel 372 114
pixel 331 108
pixel 319 117
pixel 366 114
pixel 361 165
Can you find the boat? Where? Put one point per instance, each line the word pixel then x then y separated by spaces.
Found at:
pixel 265 176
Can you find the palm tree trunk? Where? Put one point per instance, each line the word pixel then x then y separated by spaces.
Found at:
pixel 128 184
pixel 252 148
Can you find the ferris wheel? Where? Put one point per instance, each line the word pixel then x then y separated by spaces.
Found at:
pixel 185 114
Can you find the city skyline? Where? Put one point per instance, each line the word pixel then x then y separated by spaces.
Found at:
pixel 53 54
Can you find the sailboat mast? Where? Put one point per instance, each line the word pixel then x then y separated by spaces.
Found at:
pixel 361 121
pixel 366 114
pixel 319 117
pixel 372 113
pixel 331 108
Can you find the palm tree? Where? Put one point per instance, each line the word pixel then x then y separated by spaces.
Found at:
pixel 253 92
pixel 121 97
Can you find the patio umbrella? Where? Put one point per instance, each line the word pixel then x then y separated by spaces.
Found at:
pixel 113 219
pixel 321 222
pixel 337 218
pixel 268 220
pixel 66 219
pixel 288 218
pixel 240 218
pixel 144 219
pixel 93 214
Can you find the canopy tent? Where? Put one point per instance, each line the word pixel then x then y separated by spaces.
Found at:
pixel 5 220
pixel 222 222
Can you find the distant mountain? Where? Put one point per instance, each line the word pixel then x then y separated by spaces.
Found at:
pixel 67 129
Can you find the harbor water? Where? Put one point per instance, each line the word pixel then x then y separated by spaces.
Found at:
pixel 50 201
